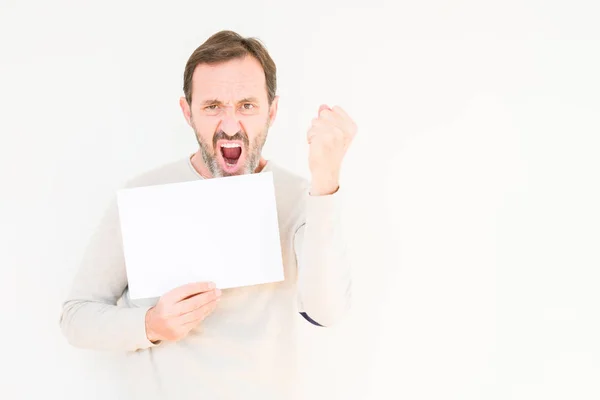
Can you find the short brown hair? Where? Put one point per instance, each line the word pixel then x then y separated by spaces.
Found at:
pixel 227 45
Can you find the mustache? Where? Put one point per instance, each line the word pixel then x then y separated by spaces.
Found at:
pixel 220 135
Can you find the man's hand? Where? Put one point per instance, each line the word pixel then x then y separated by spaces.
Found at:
pixel 177 312
pixel 329 137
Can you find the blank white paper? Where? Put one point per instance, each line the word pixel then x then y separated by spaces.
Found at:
pixel 223 230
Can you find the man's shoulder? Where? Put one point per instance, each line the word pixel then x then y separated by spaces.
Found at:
pixel 291 191
pixel 170 172
pixel 287 180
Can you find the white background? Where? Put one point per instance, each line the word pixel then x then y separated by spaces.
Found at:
pixel 472 188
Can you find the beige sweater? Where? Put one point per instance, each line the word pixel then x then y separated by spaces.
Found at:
pixel 246 349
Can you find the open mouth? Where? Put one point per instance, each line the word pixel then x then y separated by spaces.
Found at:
pixel 231 153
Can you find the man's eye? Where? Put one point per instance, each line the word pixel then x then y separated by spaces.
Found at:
pixel 211 107
pixel 248 106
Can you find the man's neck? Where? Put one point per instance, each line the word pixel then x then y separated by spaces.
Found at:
pixel 202 169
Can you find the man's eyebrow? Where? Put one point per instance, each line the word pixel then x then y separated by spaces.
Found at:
pixel 248 100
pixel 210 102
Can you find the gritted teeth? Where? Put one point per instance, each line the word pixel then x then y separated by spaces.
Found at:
pixel 230 145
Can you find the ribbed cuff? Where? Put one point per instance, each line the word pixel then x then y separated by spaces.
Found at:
pixel 325 207
pixel 134 325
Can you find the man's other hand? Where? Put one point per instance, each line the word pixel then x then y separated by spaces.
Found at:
pixel 180 310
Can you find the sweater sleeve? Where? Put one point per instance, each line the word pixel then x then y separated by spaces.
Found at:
pixel 90 316
pixel 324 272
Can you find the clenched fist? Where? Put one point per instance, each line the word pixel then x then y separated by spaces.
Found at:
pixel 329 137
pixel 177 312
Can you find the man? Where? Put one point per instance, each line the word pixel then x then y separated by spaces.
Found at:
pixel 198 341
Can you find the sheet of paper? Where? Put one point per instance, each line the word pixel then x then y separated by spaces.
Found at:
pixel 223 230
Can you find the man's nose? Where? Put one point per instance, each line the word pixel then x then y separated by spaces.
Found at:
pixel 230 123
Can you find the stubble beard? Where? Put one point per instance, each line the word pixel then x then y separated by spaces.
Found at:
pixel 253 152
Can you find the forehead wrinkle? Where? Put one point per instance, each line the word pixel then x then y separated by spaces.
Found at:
pixel 217 76
pixel 216 81
pixel 230 92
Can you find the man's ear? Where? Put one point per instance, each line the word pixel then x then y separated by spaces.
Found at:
pixel 273 110
pixel 185 108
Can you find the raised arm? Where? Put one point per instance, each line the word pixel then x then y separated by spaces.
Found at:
pixel 324 277
pixel 324 272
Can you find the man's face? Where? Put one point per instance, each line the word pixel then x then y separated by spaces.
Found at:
pixel 230 115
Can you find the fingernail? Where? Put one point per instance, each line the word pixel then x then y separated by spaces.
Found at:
pixel 211 285
pixel 218 292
